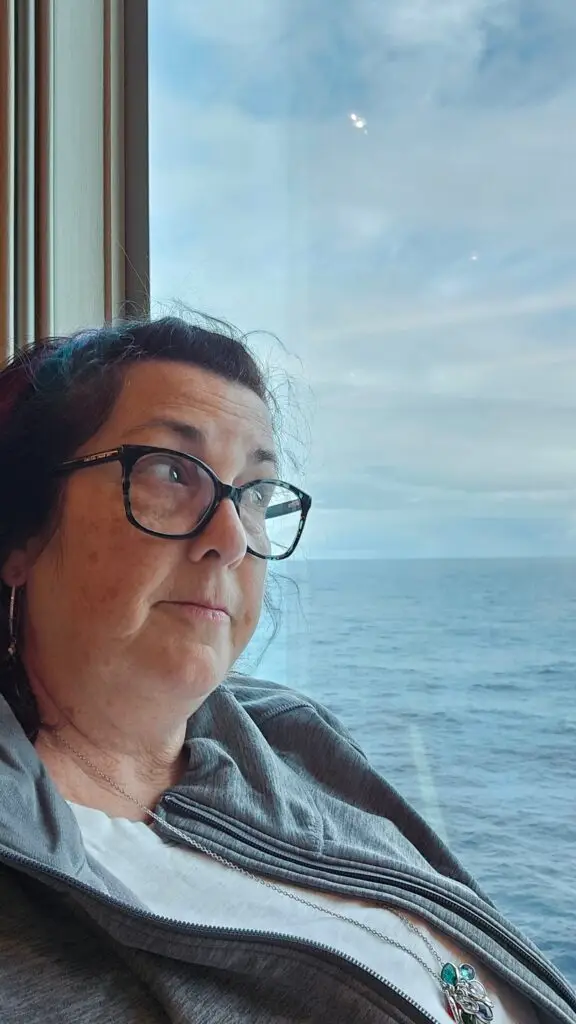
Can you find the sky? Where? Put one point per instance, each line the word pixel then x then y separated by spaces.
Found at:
pixel 388 189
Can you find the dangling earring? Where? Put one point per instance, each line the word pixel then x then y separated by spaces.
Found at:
pixel 12 628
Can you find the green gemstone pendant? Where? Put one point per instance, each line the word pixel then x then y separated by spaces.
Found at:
pixel 467 972
pixel 467 999
pixel 449 974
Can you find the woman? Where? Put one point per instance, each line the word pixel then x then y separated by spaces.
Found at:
pixel 179 843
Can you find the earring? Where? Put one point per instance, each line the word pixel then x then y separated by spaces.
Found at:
pixel 12 625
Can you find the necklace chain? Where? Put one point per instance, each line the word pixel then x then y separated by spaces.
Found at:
pixel 466 997
pixel 270 885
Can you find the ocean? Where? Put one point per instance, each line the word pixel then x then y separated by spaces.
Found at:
pixel 458 679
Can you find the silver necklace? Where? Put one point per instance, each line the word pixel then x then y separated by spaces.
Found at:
pixel 466 998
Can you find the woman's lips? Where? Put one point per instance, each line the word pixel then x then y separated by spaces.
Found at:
pixel 202 611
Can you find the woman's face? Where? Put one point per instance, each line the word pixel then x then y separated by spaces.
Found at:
pixel 100 595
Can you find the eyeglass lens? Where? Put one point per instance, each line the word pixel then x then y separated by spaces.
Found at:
pixel 171 495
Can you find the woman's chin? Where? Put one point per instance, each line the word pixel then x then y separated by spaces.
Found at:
pixel 198 663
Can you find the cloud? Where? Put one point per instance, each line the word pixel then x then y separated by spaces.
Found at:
pixel 424 272
pixel 253 24
pixel 441 23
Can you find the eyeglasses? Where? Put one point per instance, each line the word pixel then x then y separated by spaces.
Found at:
pixel 175 495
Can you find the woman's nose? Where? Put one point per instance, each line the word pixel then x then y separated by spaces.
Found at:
pixel 223 534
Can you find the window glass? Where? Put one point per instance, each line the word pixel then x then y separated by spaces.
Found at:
pixel 389 189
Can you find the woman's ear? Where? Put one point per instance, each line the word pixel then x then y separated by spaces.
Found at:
pixel 21 561
pixel 14 572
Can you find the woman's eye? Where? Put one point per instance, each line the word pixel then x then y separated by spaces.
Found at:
pixel 163 471
pixel 260 497
pixel 168 472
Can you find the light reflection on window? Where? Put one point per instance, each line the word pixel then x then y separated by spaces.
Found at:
pixel 389 189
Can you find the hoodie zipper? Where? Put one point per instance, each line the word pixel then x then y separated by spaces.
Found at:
pixel 495 930
pixel 353 967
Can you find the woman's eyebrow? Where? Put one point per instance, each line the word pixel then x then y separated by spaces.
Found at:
pixel 190 433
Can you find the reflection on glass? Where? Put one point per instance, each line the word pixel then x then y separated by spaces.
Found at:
pixel 388 187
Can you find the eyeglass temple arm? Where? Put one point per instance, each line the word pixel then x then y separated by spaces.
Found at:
pixel 283 508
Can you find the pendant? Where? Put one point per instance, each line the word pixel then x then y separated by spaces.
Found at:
pixel 467 998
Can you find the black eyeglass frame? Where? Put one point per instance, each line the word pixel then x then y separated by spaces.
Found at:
pixel 129 454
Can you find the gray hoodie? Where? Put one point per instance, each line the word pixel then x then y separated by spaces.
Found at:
pixel 295 799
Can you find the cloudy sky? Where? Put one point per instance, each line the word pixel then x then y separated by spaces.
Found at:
pixel 417 261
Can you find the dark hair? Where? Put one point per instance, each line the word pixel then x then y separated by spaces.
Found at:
pixel 55 397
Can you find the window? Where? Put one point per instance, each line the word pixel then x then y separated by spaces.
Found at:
pixel 73 166
pixel 389 189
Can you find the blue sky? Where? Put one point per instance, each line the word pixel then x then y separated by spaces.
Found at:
pixel 420 270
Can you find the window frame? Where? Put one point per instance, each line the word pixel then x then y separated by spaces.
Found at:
pixel 74 166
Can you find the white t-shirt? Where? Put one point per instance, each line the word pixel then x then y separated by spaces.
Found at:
pixel 189 886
